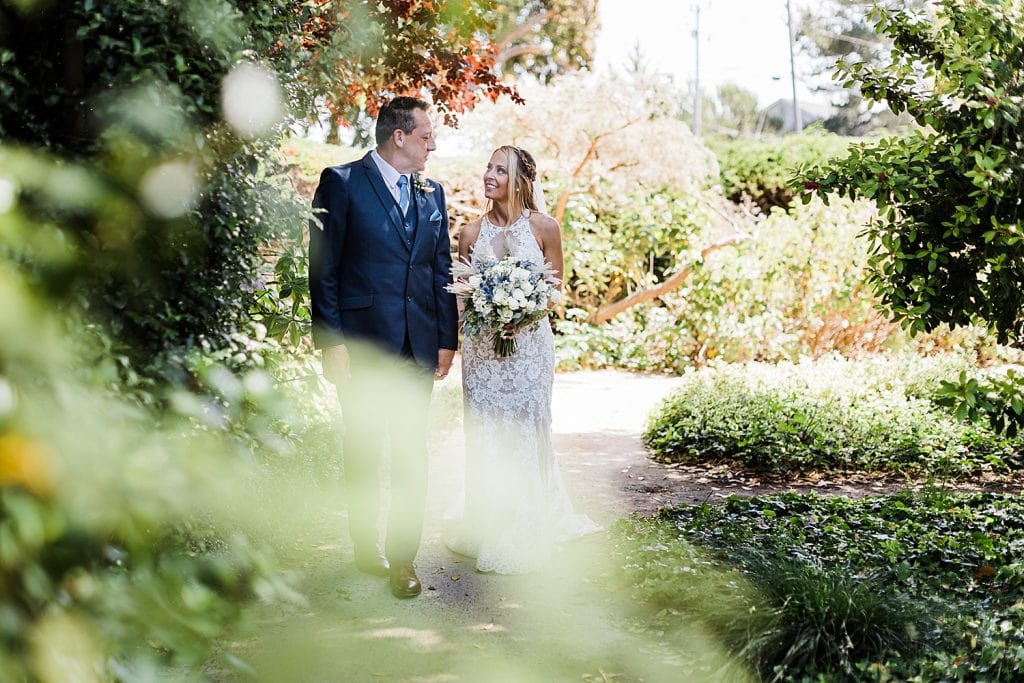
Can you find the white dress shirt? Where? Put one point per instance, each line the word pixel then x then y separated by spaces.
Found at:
pixel 390 175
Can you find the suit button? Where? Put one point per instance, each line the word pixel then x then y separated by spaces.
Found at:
pixel 408 298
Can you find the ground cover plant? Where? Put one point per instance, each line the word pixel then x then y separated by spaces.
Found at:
pixel 907 587
pixel 834 414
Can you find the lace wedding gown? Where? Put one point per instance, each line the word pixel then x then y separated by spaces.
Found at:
pixel 515 508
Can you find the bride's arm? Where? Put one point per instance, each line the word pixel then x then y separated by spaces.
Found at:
pixel 548 234
pixel 467 238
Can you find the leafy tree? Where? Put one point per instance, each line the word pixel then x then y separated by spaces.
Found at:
pixel 131 91
pixel 636 64
pixel 839 28
pixel 737 108
pixel 946 246
pixel 762 169
pixel 544 37
pixel 361 52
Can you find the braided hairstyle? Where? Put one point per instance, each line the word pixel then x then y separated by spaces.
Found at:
pixel 522 172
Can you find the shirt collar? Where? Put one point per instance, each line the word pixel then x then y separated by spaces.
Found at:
pixel 387 171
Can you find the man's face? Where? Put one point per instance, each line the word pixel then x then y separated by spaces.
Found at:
pixel 415 147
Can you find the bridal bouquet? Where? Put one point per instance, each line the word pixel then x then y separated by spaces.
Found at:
pixel 502 296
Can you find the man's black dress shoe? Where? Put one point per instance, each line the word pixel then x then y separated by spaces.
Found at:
pixel 372 563
pixel 404 583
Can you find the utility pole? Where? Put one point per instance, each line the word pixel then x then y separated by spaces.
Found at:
pixel 797 119
pixel 696 71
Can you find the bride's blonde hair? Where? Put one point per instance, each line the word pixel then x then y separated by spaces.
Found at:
pixel 522 172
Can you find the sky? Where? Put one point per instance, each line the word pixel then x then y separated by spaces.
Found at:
pixel 742 41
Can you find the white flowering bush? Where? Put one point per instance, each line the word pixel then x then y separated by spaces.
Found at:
pixel 594 131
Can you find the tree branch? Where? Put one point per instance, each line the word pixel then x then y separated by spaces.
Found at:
pixel 523 28
pixel 517 51
pixel 563 199
pixel 606 313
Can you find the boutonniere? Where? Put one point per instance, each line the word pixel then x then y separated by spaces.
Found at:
pixel 421 184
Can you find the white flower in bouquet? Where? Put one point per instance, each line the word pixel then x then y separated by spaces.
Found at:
pixel 503 296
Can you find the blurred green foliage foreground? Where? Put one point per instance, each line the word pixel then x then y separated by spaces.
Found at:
pixel 123 530
pixel 129 499
pixel 136 198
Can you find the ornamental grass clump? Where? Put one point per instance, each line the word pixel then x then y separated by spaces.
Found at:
pixel 778 608
pixel 828 618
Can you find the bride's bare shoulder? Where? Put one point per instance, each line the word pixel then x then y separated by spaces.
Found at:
pixel 470 230
pixel 542 223
pixel 473 226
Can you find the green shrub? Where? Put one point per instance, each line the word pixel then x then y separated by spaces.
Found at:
pixel 997 398
pixel 124 530
pixel 795 288
pixel 924 586
pixel 163 206
pixel 763 168
pixel 792 289
pixel 946 245
pixel 830 414
pixel 129 511
pixel 615 245
pixel 646 339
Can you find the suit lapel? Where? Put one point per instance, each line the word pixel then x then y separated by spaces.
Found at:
pixel 387 200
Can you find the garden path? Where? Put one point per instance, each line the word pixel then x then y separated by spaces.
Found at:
pixel 466 626
pixel 570 623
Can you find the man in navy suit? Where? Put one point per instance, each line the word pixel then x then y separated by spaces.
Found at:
pixel 379 262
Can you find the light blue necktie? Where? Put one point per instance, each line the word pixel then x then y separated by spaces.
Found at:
pixel 403 194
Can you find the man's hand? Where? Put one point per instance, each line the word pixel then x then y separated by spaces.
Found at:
pixel 444 362
pixel 335 363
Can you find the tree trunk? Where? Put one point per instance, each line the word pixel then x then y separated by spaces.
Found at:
pixel 73 77
pixel 334 132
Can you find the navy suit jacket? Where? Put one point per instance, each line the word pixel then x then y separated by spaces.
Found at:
pixel 367 280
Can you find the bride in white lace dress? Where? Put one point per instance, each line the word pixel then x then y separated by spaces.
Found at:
pixel 515 509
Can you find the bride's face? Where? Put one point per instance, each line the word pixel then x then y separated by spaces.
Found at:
pixel 496 177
